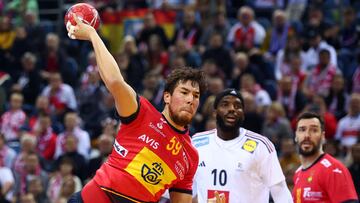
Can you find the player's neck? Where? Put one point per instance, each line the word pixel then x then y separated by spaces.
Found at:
pixel 227 135
pixel 307 161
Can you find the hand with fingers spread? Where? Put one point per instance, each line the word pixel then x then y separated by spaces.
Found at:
pixel 80 31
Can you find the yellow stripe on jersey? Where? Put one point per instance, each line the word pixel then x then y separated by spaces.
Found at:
pixel 150 170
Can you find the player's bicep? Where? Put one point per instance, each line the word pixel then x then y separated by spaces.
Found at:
pixel 125 100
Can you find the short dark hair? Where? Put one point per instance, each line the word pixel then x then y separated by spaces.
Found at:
pixel 309 115
pixel 181 75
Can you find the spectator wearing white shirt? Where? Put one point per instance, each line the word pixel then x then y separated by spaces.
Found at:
pixel 348 129
pixel 61 96
pixel 247 33
pixel 13 119
pixel 72 128
pixel 316 45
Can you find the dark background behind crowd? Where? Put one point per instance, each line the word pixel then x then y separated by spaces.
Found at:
pixel 58 121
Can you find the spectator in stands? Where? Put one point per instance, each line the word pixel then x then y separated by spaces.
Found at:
pixel 70 152
pixel 65 170
pixel 20 46
pixel 7 183
pixel 217 52
pixel 12 120
pixel 262 98
pixel 337 99
pixel 241 67
pixel 27 146
pixel 316 46
pixel 53 56
pixel 68 188
pixel 315 20
pixel 136 65
pixel 219 25
pixel 18 9
pixel 31 170
pixel 265 67
pixel 104 146
pixel 46 140
pixel 290 95
pixel 284 57
pixel 276 126
pixel 254 120
pixel 61 96
pixel 318 106
pixel 7 33
pixel 34 32
pixel 37 188
pixel 356 78
pixel 277 34
pixel 27 198
pixel 295 9
pixel 28 81
pixel 189 31
pixel 288 157
pixel 153 83
pixel 349 126
pixel 151 28
pixel 320 78
pixel 157 56
pixel 90 109
pixel 212 70
pixel 109 126
pixel 247 33
pixel 7 155
pixel 192 58
pixel 72 128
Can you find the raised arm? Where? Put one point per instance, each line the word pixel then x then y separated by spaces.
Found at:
pixel 124 95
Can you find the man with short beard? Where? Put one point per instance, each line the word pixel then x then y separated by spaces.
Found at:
pixel 234 162
pixel 321 178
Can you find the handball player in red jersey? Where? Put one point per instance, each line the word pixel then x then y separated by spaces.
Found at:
pixel 321 177
pixel 152 151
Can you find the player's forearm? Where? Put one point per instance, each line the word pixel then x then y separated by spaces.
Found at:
pixel 108 68
pixel 124 95
pixel 280 193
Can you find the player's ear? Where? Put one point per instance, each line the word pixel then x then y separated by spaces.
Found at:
pixel 167 97
pixel 296 139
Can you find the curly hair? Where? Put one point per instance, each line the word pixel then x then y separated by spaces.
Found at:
pixel 182 75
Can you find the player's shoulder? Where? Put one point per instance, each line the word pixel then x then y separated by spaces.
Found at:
pixel 329 162
pixel 254 140
pixel 202 138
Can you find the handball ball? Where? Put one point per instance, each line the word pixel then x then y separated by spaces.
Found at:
pixel 85 12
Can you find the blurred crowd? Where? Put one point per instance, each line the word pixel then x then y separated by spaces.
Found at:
pixel 58 121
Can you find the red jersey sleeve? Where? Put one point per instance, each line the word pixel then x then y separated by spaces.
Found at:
pixel 340 186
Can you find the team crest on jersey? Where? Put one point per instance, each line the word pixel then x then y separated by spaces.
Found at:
pixel 249 145
pixel 153 173
pixel 150 171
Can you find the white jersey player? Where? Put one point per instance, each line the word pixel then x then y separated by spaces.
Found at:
pixel 237 163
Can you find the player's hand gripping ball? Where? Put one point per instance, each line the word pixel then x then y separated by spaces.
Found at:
pixel 85 12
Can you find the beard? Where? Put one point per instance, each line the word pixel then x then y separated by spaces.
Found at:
pixel 234 128
pixel 309 152
pixel 179 120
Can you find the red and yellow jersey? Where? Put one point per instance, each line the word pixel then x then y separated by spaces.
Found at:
pixel 149 156
pixel 327 180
